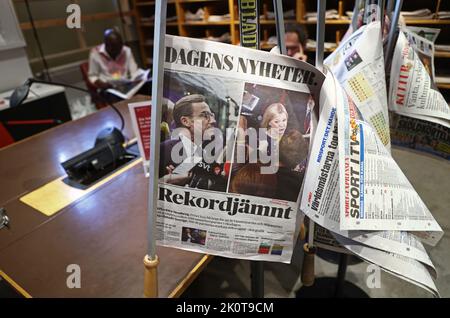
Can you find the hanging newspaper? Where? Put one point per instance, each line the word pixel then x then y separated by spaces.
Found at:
pixel 424 49
pixel 418 131
pixel 412 90
pixel 358 64
pixel 232 169
pixel 327 194
pixel 430 34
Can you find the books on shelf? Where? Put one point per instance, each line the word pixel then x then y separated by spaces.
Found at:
pixel 199 15
pixel 224 38
pixel 219 18
pixel 443 79
pixel 421 14
pixel 270 15
pixel 329 15
pixel 311 44
pixel 442 47
pixel 443 15
pixel 151 19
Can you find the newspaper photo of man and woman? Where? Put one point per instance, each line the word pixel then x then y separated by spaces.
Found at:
pixel 235 134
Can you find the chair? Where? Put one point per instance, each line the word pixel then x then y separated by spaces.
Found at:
pixel 96 99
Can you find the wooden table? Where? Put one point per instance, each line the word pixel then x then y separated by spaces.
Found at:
pixel 104 233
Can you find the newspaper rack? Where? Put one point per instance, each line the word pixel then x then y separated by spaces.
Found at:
pixel 151 260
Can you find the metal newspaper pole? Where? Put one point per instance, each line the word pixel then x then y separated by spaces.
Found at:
pixel 279 24
pixel 393 31
pixel 151 260
pixel 309 249
pixel 355 15
pixel 308 270
pixel 389 8
pixel 249 36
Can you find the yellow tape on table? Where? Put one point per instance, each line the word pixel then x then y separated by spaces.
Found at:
pixel 56 194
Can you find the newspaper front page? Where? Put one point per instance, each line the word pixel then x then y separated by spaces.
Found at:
pixel 358 64
pixel 412 90
pixel 221 190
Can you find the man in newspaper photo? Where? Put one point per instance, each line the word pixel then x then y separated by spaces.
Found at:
pixel 181 161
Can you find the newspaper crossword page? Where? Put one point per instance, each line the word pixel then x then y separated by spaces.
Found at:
pixel 358 65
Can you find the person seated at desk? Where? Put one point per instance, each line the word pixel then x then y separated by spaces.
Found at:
pixel 111 62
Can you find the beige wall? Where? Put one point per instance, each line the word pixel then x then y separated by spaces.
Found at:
pixel 59 39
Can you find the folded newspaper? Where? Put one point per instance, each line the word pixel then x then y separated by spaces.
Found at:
pixel 248 147
pixel 420 118
pixel 412 90
pixel 353 187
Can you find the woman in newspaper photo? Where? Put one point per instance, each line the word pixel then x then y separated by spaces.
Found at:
pixel 278 139
pixel 274 121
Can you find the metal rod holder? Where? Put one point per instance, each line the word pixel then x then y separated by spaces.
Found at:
pixel 320 38
pixel 393 30
pixel 355 15
pixel 342 271
pixel 157 94
pixel 279 24
pixel 381 4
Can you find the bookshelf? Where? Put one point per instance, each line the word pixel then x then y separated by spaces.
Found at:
pixel 213 23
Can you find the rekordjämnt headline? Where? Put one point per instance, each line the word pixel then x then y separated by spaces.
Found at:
pixel 230 205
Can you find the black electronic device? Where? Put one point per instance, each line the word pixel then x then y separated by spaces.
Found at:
pixel 90 166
